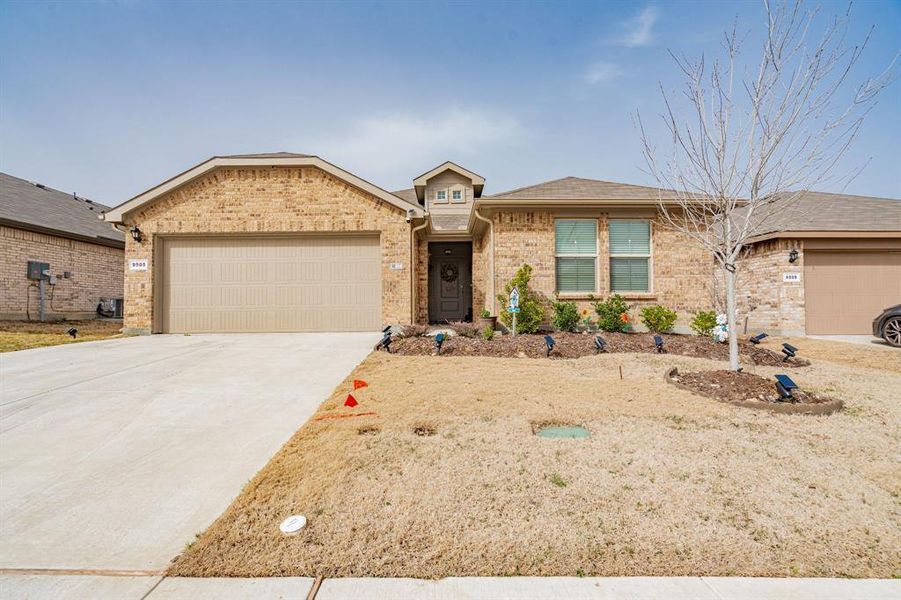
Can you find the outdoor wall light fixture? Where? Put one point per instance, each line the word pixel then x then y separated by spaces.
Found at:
pixel 72 331
pixel 135 233
pixel 789 351
pixel 386 340
pixel 785 385
pixel 439 341
pixel 599 344
pixel 550 344
pixel 758 338
pixel 658 343
pixel 793 255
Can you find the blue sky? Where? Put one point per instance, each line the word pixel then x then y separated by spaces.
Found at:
pixel 110 98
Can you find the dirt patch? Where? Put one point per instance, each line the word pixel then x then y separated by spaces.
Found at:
pixel 577 345
pixel 424 430
pixel 667 484
pixel 22 335
pixel 751 391
pixel 368 430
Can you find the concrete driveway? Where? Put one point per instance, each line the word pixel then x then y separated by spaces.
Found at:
pixel 114 454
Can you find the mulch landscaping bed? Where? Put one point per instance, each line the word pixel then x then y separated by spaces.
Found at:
pixel 576 345
pixel 751 391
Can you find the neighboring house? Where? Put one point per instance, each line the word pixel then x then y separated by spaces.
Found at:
pixel 290 242
pixel 85 255
pixel 828 265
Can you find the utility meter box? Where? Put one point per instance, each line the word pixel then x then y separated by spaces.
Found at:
pixel 36 270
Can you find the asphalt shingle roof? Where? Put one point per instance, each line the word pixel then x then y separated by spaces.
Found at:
pixel 819 211
pixel 30 206
pixel 578 188
pixel 408 194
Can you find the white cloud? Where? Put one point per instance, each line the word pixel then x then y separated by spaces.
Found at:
pixel 393 149
pixel 602 71
pixel 639 30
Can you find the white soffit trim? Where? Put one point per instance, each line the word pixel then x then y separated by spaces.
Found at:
pixel 449 166
pixel 117 214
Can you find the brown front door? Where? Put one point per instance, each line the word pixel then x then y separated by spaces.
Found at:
pixel 450 281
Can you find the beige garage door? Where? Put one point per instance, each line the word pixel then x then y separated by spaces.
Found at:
pixel 243 284
pixel 845 291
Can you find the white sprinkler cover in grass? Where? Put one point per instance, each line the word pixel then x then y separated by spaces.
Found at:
pixel 293 524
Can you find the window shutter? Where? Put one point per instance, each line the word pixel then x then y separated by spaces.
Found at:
pixel 577 236
pixel 629 274
pixel 576 274
pixel 630 237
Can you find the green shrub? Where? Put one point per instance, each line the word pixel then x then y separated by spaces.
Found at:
pixel 485 313
pixel 531 304
pixel 566 316
pixel 703 322
pixel 613 313
pixel 658 319
pixel 488 333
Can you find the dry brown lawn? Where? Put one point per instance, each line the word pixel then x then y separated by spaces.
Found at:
pixel 669 483
pixel 22 335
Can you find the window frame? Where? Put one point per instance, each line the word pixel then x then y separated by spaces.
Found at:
pixel 438 199
pixel 462 197
pixel 595 256
pixel 649 256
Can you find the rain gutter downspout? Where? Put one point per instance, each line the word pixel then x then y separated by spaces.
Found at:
pixel 490 257
pixel 414 260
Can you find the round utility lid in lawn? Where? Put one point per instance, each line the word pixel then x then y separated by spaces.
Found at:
pixel 563 432
pixel 293 524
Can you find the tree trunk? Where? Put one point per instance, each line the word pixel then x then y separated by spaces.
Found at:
pixel 731 324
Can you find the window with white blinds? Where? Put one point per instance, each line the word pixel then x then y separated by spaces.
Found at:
pixel 577 255
pixel 630 255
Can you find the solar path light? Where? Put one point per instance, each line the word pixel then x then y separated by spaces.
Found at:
pixel 386 340
pixel 72 331
pixel 758 338
pixel 599 344
pixel 439 341
pixel 549 341
pixel 789 351
pixel 785 385
pixel 658 343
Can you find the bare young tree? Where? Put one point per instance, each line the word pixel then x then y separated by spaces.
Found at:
pixel 746 140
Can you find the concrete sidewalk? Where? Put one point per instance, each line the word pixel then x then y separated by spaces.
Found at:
pixel 38 587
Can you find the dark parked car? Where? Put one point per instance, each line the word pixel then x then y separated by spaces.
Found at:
pixel 888 325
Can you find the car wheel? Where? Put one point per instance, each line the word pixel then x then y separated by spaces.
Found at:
pixel 891 331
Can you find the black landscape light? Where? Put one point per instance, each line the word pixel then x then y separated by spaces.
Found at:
pixel 658 343
pixel 785 385
pixel 135 233
pixel 439 340
pixel 789 351
pixel 599 344
pixel 386 340
pixel 758 338
pixel 72 331
pixel 550 344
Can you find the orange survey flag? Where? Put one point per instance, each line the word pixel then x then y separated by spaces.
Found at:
pixel 351 401
pixel 359 383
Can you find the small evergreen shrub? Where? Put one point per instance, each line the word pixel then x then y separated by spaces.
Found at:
pixel 613 314
pixel 659 319
pixel 531 305
pixel 488 333
pixel 485 313
pixel 566 316
pixel 704 322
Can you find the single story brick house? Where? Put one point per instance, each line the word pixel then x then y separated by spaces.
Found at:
pixel 829 265
pixel 291 242
pixel 41 225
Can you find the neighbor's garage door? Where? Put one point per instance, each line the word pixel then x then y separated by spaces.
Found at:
pixel 845 291
pixel 243 284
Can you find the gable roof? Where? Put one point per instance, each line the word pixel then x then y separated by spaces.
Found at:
pixel 478 182
pixel 822 212
pixel 270 159
pixel 36 207
pixel 408 194
pixel 579 188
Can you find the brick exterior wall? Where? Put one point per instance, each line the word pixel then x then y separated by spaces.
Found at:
pixel 97 273
pixel 268 200
pixel 768 303
pixel 681 273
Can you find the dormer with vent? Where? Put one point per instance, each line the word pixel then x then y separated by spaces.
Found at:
pixel 448 189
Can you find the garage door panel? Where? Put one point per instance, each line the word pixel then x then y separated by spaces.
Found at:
pixel 237 284
pixel 845 291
